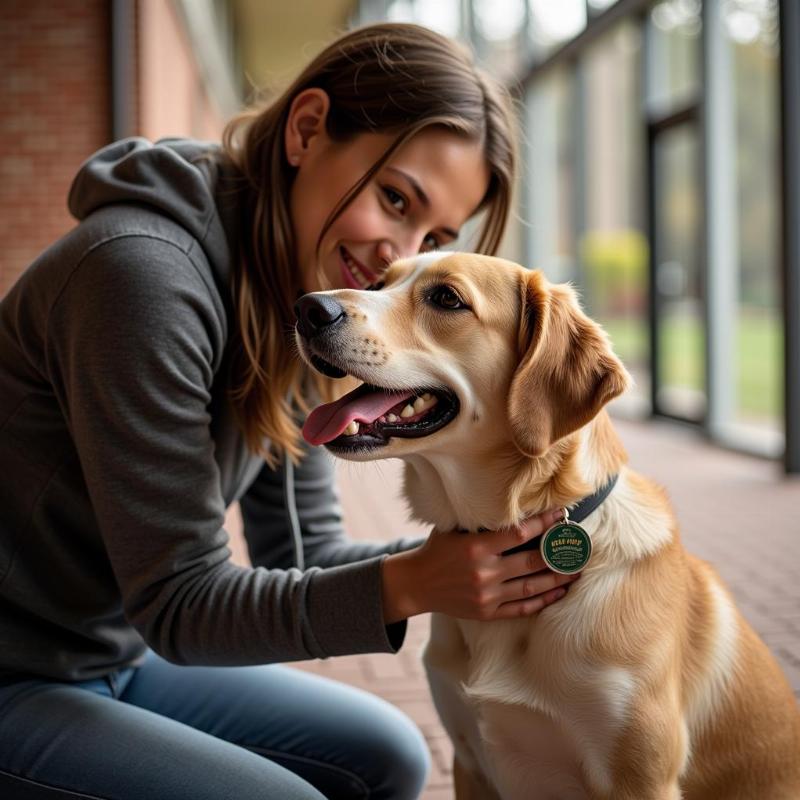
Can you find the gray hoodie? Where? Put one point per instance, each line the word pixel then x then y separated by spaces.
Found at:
pixel 119 453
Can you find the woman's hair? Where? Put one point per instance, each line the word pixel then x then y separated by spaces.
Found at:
pixel 389 78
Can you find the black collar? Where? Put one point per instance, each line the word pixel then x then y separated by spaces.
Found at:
pixel 577 513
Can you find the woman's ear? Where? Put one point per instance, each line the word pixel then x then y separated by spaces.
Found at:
pixel 567 371
pixel 306 120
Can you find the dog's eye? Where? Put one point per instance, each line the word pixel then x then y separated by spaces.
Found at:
pixel 445 297
pixel 374 287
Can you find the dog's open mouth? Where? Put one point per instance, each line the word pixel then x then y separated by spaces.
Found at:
pixel 370 416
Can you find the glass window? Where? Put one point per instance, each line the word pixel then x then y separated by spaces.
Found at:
pixel 498 20
pixel 551 179
pixel 751 32
pixel 443 16
pixel 596 6
pixel 674 54
pixel 680 316
pixel 400 11
pixel 499 35
pixel 554 23
pixel 613 247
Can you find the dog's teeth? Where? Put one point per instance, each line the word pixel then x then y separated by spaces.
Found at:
pixel 419 404
pixel 351 429
pixel 408 411
pixel 392 417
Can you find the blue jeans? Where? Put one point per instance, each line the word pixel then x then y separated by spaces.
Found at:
pixel 204 733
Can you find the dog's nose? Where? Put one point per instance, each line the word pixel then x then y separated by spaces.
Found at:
pixel 317 312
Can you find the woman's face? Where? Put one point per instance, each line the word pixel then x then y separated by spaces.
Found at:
pixel 416 202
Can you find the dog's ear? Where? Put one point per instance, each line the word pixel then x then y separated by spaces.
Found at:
pixel 567 371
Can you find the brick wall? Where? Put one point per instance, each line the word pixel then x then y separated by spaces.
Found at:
pixel 54 111
pixel 55 106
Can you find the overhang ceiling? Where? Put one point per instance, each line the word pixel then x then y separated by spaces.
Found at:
pixel 276 38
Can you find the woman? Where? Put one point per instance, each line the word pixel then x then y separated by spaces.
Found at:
pixel 147 382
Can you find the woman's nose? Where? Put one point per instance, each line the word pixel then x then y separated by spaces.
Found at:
pixel 387 253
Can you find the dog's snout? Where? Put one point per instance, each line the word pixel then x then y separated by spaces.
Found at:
pixel 316 313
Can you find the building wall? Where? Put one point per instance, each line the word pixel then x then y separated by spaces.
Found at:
pixel 174 100
pixel 55 100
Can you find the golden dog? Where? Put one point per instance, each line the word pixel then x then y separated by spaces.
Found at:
pixel 644 682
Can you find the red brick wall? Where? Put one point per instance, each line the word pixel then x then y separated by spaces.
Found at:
pixel 55 106
pixel 54 112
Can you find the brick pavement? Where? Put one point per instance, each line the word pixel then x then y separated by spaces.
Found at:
pixel 726 503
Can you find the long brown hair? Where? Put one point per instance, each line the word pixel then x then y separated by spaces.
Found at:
pixel 387 78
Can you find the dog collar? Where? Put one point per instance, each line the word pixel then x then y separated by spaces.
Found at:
pixel 566 547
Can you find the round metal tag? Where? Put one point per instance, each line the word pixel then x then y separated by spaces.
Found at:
pixel 566 548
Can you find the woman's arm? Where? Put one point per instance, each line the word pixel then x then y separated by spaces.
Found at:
pixel 467 575
pixel 133 343
pixel 325 542
pixel 462 575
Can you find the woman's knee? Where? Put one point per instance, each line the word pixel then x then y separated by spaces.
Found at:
pixel 402 753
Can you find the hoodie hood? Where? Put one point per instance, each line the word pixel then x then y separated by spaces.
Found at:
pixel 184 179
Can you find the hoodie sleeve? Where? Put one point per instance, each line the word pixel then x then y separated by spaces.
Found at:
pixel 132 342
pixel 325 542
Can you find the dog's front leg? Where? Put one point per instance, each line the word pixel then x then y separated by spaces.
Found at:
pixel 446 661
pixel 470 785
pixel 651 754
pixel 668 791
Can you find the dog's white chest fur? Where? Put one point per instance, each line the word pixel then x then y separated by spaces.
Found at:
pixel 538 726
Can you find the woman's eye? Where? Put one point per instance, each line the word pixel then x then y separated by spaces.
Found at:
pixel 445 297
pixel 395 198
pixel 430 242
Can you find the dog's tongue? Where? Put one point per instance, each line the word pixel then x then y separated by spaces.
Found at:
pixel 328 421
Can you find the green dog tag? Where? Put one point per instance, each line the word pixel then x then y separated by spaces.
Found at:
pixel 566 548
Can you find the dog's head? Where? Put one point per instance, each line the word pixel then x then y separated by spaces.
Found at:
pixel 457 352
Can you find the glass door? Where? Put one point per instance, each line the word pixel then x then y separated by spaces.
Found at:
pixel 673 91
pixel 679 318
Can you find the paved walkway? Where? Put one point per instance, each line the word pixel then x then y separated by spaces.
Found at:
pixel 738 512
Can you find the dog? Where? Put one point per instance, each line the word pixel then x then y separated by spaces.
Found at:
pixel 644 682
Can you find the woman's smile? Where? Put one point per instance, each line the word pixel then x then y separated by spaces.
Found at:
pixel 354 274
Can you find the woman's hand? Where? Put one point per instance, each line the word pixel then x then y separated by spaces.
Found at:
pixel 465 575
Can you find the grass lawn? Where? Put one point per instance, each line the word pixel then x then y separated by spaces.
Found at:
pixel 757 372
